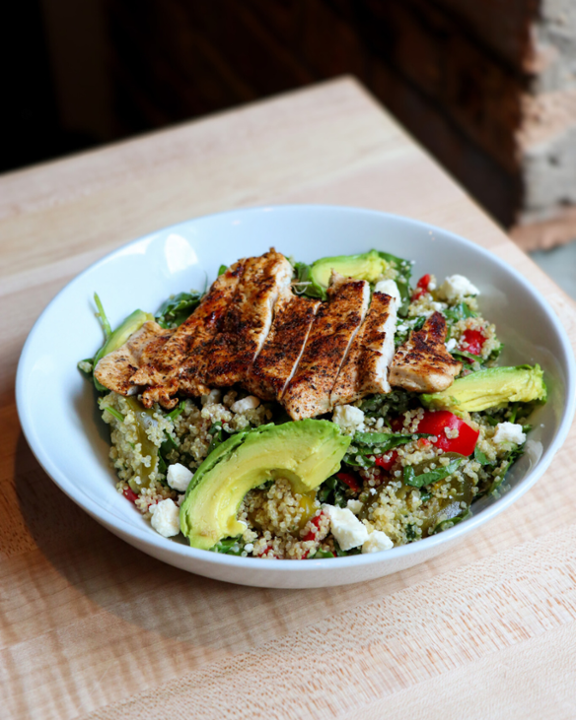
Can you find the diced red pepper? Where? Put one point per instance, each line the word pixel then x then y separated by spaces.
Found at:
pixel 421 287
pixel 311 534
pixel 474 340
pixel 436 422
pixel 265 551
pixel 351 480
pixel 384 463
pixel 129 494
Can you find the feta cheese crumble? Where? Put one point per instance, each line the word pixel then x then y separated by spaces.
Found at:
pixel 456 288
pixel 390 288
pixel 348 418
pixel 165 518
pixel 451 344
pixel 508 432
pixel 355 506
pixel 248 403
pixel 346 528
pixel 178 477
pixel 377 541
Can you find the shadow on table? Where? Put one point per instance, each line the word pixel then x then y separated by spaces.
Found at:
pixel 155 596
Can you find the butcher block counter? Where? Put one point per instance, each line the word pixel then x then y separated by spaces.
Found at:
pixel 92 628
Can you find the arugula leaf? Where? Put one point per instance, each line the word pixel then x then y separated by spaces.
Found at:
pixel 359 458
pixel 222 269
pixel 427 478
pixel 462 354
pixel 305 285
pixel 178 410
pixel 177 308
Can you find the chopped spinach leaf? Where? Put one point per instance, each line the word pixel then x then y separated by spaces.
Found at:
pixel 382 442
pixel 462 311
pixel 481 458
pixel 177 309
pixel 222 269
pixel 450 522
pixel 229 546
pixel 319 554
pixel 427 478
pixel 178 410
pixel 333 492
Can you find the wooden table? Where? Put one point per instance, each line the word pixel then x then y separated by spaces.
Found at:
pixel 92 628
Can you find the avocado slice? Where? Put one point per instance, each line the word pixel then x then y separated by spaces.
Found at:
pixel 487 388
pixel 305 452
pixel 365 266
pixel 115 340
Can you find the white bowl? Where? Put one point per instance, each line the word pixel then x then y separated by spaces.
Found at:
pixel 57 409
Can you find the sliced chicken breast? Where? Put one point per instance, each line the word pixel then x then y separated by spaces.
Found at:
pixel 248 320
pixel 365 370
pixel 281 353
pixel 333 331
pixel 378 349
pixel 422 363
pixel 164 366
pixel 116 369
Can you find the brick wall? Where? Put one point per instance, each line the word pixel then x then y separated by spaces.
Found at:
pixel 483 85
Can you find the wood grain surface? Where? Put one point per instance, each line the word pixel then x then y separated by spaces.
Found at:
pixel 90 627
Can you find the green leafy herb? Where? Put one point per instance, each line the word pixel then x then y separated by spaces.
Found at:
pixel 481 458
pixel 403 274
pixel 177 309
pixel 305 285
pixel 101 315
pixel 229 546
pixel 427 478
pixel 463 355
pixel 178 410
pixel 218 435
pixel 115 413
pixel 222 269
pixel 333 492
pixel 462 311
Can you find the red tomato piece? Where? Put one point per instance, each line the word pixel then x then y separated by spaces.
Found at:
pixel 421 287
pixel 311 534
pixel 350 480
pixel 474 340
pixel 129 494
pixel 435 423
pixel 387 464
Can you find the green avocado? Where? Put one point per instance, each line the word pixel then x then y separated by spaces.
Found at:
pixel 116 339
pixel 305 452
pixel 487 388
pixel 367 266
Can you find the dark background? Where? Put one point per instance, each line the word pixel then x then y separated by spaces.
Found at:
pixel 78 73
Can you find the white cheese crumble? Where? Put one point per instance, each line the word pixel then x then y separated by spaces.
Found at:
pixel 166 518
pixel 389 287
pixel 248 403
pixel 451 344
pixel 355 506
pixel 508 432
pixel 178 477
pixel 346 528
pixel 377 541
pixel 457 287
pixel 212 398
pixel 348 418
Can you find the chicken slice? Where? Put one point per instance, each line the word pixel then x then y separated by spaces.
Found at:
pixel 248 320
pixel 365 370
pixel 279 357
pixel 116 369
pixel 165 365
pixel 422 364
pixel 334 328
pixel 378 349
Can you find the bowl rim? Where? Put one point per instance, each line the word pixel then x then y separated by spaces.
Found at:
pixel 124 528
